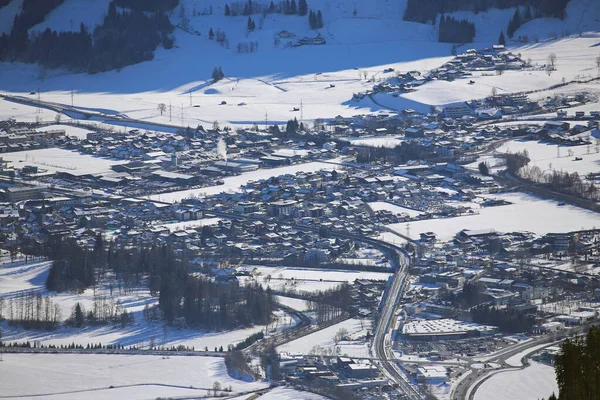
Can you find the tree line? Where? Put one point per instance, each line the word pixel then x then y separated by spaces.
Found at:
pixel 578 368
pixel 186 300
pixel 506 319
pixel 426 11
pixel 31 311
pixel 124 38
pixel 331 303
pixel 452 30
pixel 249 7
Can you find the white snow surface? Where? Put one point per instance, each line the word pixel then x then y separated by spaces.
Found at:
pixel 532 383
pixel 71 131
pixel 527 213
pixel 324 339
pixel 234 183
pixel 61 160
pixel 76 376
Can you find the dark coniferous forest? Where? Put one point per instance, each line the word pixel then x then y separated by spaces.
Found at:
pixel 124 38
pixel 428 10
pixel 184 299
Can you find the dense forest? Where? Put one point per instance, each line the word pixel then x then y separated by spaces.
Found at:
pixel 452 30
pixel 185 300
pixel 124 38
pixel 249 7
pixel 506 319
pixel 578 368
pixel 426 11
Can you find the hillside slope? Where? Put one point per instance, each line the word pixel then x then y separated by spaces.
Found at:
pixel 268 84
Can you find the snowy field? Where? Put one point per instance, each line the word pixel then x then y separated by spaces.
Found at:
pixel 277 78
pixel 532 383
pixel 181 226
pixel 527 213
pixel 71 131
pixel 281 393
pixel 234 183
pixel 382 205
pixel 60 160
pixel 77 376
pixel 17 278
pixel 323 341
pixel 310 279
pixel 550 157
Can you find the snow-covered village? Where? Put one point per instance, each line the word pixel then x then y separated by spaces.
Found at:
pixel 299 199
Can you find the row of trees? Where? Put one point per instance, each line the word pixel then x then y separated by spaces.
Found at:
pixel 517 20
pixel 506 319
pixel 452 30
pixel 148 5
pixel 183 299
pixel 331 303
pixel 578 368
pixel 31 311
pixel 249 7
pixel 124 38
pixel 563 182
pixel 426 11
pixel 315 20
pixel 217 74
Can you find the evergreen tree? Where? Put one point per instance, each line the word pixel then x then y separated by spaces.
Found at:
pixel 312 20
pixel 302 8
pixel 320 23
pixel 227 10
pixel 78 317
pixel 501 39
pixel 293 8
pixel 211 34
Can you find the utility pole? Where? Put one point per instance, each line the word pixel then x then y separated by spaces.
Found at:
pixel 266 120
pixel 301 111
pixel 71 98
pixel 182 115
pixel 170 111
pixel 39 100
pixel 190 99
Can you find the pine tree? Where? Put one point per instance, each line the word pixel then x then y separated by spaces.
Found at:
pixel 312 20
pixel 251 25
pixel 502 39
pixel 302 8
pixel 227 10
pixel 293 9
pixel 211 34
pixel 320 24
pixel 78 316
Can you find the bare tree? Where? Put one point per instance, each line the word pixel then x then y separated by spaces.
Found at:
pixel 216 387
pixel 552 58
pixel 162 107
pixel 340 335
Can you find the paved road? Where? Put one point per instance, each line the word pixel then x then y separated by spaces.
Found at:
pixel 400 260
pixel 468 388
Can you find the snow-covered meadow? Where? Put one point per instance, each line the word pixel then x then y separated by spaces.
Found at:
pixel 270 83
pixel 323 341
pixel 527 213
pixel 20 278
pixel 99 377
pixel 532 383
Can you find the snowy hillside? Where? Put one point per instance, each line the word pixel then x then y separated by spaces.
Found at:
pixel 268 84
